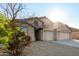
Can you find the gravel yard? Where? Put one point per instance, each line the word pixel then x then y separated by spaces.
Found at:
pixel 43 48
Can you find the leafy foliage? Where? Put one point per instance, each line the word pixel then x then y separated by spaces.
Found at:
pixel 19 43
pixel 4 22
pixel 14 40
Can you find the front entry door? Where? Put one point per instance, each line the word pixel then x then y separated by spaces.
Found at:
pixel 38 34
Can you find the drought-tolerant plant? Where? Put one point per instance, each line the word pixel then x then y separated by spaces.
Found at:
pixel 16 47
pixel 14 40
pixel 4 34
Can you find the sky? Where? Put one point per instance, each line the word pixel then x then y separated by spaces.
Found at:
pixel 63 12
pixel 67 13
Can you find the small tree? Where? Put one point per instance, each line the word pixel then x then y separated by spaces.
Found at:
pixel 11 10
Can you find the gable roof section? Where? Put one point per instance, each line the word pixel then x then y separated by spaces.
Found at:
pixel 20 22
pixel 57 25
pixel 25 21
pixel 61 27
pixel 46 21
pixel 68 27
pixel 32 18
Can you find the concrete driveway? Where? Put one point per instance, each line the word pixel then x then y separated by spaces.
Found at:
pixel 72 42
pixel 45 48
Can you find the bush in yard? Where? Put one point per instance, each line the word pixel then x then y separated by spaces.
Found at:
pixel 16 47
pixel 4 22
pixel 14 40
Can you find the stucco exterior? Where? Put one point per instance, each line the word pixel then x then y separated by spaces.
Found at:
pixel 41 28
pixel 31 33
pixel 33 25
pixel 62 31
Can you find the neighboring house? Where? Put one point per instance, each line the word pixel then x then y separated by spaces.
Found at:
pixel 75 33
pixel 55 31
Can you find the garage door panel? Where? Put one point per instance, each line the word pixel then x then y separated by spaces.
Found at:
pixel 48 35
pixel 63 36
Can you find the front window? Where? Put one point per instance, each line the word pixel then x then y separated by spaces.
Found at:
pixel 24 29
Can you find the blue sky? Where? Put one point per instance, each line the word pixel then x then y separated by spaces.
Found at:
pixel 66 13
pixel 63 12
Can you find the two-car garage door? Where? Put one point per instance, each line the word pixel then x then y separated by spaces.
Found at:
pixel 49 35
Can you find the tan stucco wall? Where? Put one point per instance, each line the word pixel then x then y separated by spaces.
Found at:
pixel 31 33
pixel 61 27
pixel 30 30
pixel 39 23
pixel 32 21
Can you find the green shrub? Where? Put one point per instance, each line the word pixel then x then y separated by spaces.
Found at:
pixel 14 40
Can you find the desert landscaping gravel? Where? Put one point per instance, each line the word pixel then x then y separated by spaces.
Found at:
pixel 44 48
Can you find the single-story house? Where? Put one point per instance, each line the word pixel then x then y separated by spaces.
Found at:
pixel 41 28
